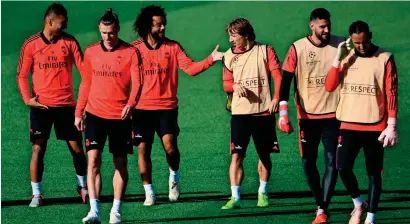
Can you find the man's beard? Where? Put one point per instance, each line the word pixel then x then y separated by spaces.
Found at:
pixel 321 38
pixel 156 35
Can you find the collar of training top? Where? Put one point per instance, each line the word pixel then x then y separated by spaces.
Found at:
pixel 120 42
pixel 160 42
pixel 324 44
pixel 55 39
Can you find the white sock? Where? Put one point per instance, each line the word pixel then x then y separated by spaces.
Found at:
pixel 82 180
pixel 116 206
pixel 371 217
pixel 357 201
pixel 320 211
pixel 95 206
pixel 36 187
pixel 236 192
pixel 148 189
pixel 174 176
pixel 263 187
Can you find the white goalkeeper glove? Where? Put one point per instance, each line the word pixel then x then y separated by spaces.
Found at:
pixel 342 51
pixel 389 135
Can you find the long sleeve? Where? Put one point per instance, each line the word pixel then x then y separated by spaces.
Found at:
pixel 189 66
pixel 333 79
pixel 227 78
pixel 77 54
pixel 289 68
pixel 136 80
pixel 274 68
pixel 23 69
pixel 391 81
pixel 85 86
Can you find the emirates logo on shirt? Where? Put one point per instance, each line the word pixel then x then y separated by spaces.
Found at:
pixel 156 67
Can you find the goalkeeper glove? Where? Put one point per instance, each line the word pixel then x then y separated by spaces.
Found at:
pixel 283 121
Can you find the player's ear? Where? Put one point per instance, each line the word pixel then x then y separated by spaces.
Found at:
pixel 311 25
pixel 370 35
pixel 48 21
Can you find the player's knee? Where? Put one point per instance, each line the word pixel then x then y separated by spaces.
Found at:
pixel 75 147
pixel 144 150
pixel 237 159
pixel 94 163
pixel 170 149
pixel 38 149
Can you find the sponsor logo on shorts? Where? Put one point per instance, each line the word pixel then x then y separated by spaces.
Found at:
pixel 87 142
pixel 137 136
pixel 238 147
pixel 36 132
pixel 94 143
pixel 302 136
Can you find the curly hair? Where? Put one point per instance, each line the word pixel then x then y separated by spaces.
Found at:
pixel 143 22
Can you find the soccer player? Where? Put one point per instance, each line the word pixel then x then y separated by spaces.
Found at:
pixel 111 68
pixel 157 110
pixel 48 55
pixel 248 66
pixel 308 60
pixel 367 109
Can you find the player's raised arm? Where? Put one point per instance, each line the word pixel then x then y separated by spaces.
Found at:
pixel 194 68
pixel 333 79
pixel 335 75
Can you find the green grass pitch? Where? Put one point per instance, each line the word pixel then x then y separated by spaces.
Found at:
pixel 204 122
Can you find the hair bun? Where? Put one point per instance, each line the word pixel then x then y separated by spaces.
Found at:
pixel 109 10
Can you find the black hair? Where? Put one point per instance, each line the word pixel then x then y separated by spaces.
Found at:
pixel 110 18
pixel 143 22
pixel 56 9
pixel 320 13
pixel 358 27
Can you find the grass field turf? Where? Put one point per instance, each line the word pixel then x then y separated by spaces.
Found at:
pixel 204 122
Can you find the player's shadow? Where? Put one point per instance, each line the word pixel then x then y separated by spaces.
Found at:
pixel 291 194
pixel 390 220
pixel 103 199
pixel 191 197
pixel 239 213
